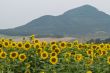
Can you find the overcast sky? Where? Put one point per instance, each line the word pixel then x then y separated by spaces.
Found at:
pixel 15 13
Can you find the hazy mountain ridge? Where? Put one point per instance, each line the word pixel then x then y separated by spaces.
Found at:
pixel 82 20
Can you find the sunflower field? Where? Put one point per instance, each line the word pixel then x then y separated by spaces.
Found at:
pixel 34 56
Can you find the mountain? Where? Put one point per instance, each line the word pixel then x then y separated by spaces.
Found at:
pixel 82 20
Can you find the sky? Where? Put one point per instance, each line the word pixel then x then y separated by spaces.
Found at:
pixel 15 13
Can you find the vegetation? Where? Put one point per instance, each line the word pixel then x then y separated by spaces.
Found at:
pixel 34 56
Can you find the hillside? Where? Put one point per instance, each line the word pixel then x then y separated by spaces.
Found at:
pixel 82 20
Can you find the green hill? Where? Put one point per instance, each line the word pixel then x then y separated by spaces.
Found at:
pixel 82 20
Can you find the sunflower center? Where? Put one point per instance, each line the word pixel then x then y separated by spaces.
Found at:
pixel 37 46
pixel 6 43
pixel 53 59
pixel 3 55
pixel 13 44
pixel 22 57
pixel 104 52
pixel 53 54
pixel 19 45
pixel 0 45
pixel 13 54
pixel 44 55
pixel 27 45
pixel 62 44
pixel 69 45
pixel 56 50
pixel 53 47
pixel 89 52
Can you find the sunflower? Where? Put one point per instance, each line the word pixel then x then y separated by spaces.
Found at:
pixel 94 46
pixel 89 71
pixel 104 52
pixel 13 55
pixel 75 42
pixel 27 45
pixel 57 50
pixel 3 55
pixel 1 45
pixel 39 50
pixel 78 57
pixel 44 44
pixel 89 62
pixel 36 41
pixel 37 45
pixel 108 59
pixel 89 52
pixel 73 53
pixel 13 44
pixel 62 45
pixel 69 45
pixel 53 47
pixel 22 57
pixel 107 46
pixel 6 44
pixel 53 54
pixel 44 55
pixel 52 42
pixel 19 45
pixel 80 46
pixel 102 45
pixel 2 39
pixel 67 55
pixel 53 60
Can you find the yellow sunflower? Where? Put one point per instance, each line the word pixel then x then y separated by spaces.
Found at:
pixel 53 60
pixel 53 54
pixel 6 44
pixel 3 55
pixel 53 47
pixel 108 59
pixel 89 71
pixel 57 50
pixel 89 52
pixel 62 45
pixel 73 53
pixel 13 44
pixel 37 45
pixel 44 55
pixel 103 52
pixel 80 46
pixel 44 44
pixel 75 42
pixel 22 57
pixel 2 39
pixel 67 55
pixel 1 45
pixel 78 57
pixel 69 45
pixel 13 55
pixel 19 45
pixel 52 42
pixel 27 45
pixel 36 41
pixel 102 45
pixel 94 46
pixel 39 50
pixel 89 62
